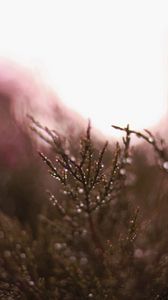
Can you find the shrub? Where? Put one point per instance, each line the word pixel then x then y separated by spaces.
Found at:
pixel 94 239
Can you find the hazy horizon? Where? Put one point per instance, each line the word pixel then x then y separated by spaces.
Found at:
pixel 106 60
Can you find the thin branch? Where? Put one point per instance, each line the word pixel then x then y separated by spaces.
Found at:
pixel 149 139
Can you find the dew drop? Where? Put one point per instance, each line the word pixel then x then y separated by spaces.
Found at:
pixel 58 246
pixel 73 158
pixel 129 160
pixel 122 171
pixel 80 190
pixel 18 246
pixel 83 261
pixel 138 253
pixel 72 258
pixel 23 255
pixel 67 152
pixel 7 253
pixel 151 140
pixel 165 165
pixel 84 232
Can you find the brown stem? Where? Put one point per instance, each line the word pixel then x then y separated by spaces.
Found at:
pixel 94 235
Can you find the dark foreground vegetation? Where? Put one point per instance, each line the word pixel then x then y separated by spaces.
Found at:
pixel 95 227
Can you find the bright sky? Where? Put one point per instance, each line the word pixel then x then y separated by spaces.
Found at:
pixel 107 59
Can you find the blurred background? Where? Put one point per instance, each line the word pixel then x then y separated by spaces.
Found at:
pixel 107 60
pixel 66 61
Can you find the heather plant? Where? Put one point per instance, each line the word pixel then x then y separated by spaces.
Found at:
pixel 93 238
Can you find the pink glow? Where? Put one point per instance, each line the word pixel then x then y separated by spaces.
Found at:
pixel 22 93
